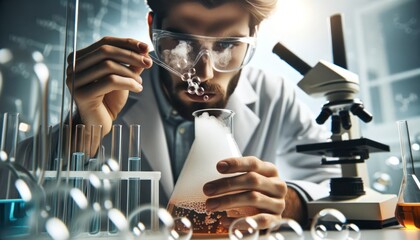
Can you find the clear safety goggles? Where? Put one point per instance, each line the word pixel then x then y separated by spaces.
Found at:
pixel 183 51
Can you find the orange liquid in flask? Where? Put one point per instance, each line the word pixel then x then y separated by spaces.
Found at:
pixel 408 215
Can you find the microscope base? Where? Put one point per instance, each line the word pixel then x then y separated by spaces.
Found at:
pixel 370 211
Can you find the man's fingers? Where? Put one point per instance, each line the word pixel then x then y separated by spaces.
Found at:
pixel 125 43
pixel 246 199
pixel 263 220
pixel 273 187
pixel 108 52
pixel 102 70
pixel 108 84
pixel 247 164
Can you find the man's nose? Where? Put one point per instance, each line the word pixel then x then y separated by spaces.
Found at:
pixel 204 67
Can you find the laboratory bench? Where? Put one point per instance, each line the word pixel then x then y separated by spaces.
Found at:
pixel 390 233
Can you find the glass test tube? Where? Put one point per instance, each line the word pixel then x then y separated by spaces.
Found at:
pixel 134 164
pixel 95 158
pixel 62 160
pixel 8 141
pixel 9 136
pixel 116 155
pixel 77 164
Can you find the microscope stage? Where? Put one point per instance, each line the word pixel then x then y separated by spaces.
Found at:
pixel 346 148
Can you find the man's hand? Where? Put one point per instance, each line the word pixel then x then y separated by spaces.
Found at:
pixel 259 186
pixel 104 74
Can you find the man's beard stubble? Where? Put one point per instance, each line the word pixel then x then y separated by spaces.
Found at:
pixel 185 110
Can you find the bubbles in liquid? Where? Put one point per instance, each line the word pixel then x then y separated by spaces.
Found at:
pixel 202 222
pixel 182 229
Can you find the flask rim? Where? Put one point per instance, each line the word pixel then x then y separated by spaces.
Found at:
pixel 209 110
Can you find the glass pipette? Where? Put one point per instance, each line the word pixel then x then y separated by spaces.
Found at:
pixel 189 77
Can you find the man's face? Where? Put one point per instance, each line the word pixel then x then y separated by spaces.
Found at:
pixel 226 20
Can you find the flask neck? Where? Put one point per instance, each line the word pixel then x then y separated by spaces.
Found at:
pixel 221 117
pixel 405 145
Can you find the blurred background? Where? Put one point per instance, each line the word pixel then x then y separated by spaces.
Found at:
pixel 382 39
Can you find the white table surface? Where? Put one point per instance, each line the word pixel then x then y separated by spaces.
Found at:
pixel 392 233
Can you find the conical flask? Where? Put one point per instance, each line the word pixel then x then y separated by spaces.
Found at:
pixel 213 142
pixel 407 211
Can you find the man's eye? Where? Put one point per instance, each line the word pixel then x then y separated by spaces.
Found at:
pixel 221 46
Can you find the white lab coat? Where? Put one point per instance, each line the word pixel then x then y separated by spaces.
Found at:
pixel 269 122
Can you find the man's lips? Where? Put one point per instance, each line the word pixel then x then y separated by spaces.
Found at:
pixel 201 98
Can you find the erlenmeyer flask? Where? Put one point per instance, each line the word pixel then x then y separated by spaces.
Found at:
pixel 407 211
pixel 213 142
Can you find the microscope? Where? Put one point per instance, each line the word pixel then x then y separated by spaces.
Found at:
pixel 350 193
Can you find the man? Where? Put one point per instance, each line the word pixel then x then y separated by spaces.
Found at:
pixel 269 120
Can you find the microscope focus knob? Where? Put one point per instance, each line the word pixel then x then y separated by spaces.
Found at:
pixel 346 187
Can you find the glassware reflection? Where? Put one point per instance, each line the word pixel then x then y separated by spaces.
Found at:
pixel 56 229
pixel 244 228
pixel 353 231
pixel 285 229
pixel 149 222
pixel 182 229
pixel 328 224
pixel 89 219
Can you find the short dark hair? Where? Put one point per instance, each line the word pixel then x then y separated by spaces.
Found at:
pixel 259 9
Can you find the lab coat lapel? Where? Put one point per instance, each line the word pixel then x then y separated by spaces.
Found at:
pixel 245 120
pixel 145 111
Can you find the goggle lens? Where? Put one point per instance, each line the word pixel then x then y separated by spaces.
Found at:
pixel 183 51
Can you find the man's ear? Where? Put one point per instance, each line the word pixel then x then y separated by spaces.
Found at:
pixel 150 22
pixel 255 30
